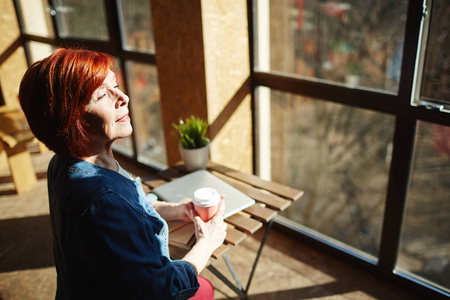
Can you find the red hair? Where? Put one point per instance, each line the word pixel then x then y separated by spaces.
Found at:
pixel 54 93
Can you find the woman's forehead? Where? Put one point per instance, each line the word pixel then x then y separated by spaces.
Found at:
pixel 111 77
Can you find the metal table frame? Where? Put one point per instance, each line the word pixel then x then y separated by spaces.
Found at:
pixel 237 287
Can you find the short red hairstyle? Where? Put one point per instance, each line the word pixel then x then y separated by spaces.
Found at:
pixel 54 93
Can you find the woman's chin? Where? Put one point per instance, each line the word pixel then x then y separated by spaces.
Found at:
pixel 124 134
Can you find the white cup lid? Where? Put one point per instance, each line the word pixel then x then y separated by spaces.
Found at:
pixel 206 197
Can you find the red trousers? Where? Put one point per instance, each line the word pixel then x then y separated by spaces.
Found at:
pixel 206 290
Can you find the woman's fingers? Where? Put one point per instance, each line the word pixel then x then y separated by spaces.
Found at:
pixel 193 213
pixel 199 226
pixel 221 210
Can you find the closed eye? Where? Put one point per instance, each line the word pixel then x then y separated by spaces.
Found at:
pixel 101 97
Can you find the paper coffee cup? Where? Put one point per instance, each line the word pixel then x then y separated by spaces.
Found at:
pixel 206 202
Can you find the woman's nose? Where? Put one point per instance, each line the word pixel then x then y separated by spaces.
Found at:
pixel 122 99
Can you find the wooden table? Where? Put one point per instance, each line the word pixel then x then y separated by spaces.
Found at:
pixel 270 198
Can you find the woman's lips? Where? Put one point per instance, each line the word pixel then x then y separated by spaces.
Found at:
pixel 124 118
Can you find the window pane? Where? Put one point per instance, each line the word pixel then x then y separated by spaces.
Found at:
pixel 354 42
pixel 425 243
pixel 436 81
pixel 82 19
pixel 147 122
pixel 36 20
pixel 124 146
pixel 340 157
pixel 138 25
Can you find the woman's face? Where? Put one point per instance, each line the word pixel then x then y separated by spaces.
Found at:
pixel 107 113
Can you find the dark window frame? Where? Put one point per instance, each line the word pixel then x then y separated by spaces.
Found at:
pixel 406 118
pixel 114 46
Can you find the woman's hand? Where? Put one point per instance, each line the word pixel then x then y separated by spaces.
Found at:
pixel 175 211
pixel 185 212
pixel 213 231
pixel 210 235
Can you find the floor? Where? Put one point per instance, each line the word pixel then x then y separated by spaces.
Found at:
pixel 287 268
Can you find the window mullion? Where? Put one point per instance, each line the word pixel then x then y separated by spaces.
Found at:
pixel 404 134
pixel 115 34
pixel 410 48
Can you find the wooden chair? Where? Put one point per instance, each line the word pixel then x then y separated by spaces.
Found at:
pixel 14 137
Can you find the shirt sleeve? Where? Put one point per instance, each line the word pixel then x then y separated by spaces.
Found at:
pixel 119 242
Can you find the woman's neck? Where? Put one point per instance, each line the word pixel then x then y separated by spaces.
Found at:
pixel 104 160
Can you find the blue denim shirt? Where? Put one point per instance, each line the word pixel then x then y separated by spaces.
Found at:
pixel 109 242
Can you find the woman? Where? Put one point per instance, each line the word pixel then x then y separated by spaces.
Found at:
pixel 110 241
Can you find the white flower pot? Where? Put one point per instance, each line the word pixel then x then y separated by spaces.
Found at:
pixel 195 159
pixel 352 80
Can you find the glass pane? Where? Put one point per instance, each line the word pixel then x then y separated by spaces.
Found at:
pixel 124 146
pixel 425 243
pixel 36 17
pixel 137 22
pixel 340 157
pixel 82 19
pixel 146 108
pixel 436 81
pixel 38 51
pixel 355 42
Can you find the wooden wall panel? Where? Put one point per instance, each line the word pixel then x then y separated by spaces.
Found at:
pixel 178 34
pixel 202 55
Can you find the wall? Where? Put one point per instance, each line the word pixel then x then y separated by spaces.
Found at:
pixel 203 69
pixel 13 63
pixel 225 36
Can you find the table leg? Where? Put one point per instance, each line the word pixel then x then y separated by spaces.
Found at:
pixel 237 288
pixel 225 280
pixel 233 272
pixel 263 241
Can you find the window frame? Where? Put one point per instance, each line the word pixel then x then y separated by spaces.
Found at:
pixel 115 46
pixel 416 97
pixel 406 117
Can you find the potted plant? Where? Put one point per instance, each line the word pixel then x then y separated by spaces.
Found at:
pixel 193 143
pixel 352 77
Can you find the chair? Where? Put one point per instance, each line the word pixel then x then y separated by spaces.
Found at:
pixel 14 137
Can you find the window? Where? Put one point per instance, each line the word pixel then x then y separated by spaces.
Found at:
pixel 425 248
pixel 339 156
pixel 147 114
pixel 333 83
pixel 120 28
pixel 351 42
pixel 81 19
pixel 138 26
pixel 432 87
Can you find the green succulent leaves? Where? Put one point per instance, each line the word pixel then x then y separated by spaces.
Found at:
pixel 192 132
